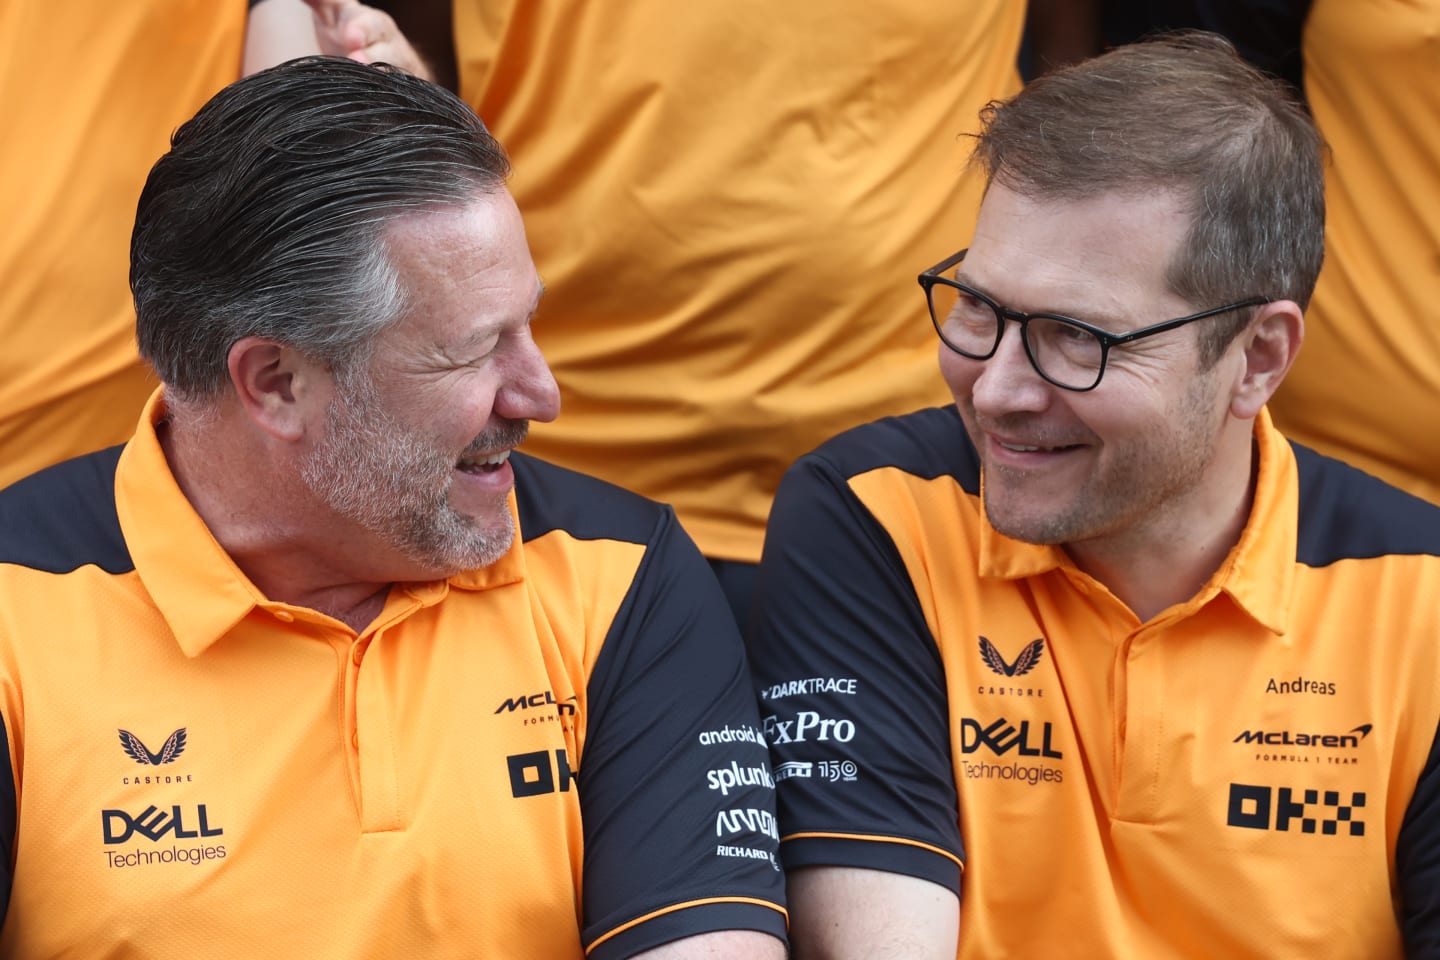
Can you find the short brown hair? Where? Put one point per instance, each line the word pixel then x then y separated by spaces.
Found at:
pixel 1179 112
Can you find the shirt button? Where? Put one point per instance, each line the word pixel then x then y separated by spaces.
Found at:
pixel 357 653
pixel 355 740
pixel 284 616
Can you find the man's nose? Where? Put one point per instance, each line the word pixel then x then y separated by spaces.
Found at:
pixel 530 391
pixel 1008 381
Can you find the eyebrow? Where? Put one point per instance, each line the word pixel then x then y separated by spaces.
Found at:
pixel 1104 321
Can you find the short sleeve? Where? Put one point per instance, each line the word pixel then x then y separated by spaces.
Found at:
pixel 852 689
pixel 676 793
pixel 1417 863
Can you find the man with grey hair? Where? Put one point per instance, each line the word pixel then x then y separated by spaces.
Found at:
pixel 1095 663
pixel 319 665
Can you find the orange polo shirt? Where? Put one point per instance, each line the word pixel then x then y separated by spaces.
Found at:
pixel 91 93
pixel 1251 773
pixel 720 197
pixel 555 756
pixel 1366 386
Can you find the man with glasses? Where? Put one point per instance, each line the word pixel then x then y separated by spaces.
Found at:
pixel 1095 662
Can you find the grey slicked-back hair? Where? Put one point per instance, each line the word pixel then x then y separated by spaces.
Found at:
pixel 1180 112
pixel 266 216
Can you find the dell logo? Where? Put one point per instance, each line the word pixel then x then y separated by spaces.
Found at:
pixel 151 823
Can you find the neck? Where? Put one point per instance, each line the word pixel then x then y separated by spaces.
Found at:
pixel 247 496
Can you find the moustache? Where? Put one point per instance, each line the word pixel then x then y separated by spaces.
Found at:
pixel 510 433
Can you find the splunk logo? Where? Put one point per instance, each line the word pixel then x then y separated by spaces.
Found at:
pixel 532 775
pixel 1283 808
pixel 729 778
pixel 152 823
pixel 1289 738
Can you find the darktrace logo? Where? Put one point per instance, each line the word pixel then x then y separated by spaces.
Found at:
pixel 1024 662
pixel 1285 809
pixel 136 750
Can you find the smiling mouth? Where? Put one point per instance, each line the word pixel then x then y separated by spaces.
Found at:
pixel 1024 448
pixel 485 464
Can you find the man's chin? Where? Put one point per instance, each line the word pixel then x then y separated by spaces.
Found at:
pixel 468 544
pixel 1039 530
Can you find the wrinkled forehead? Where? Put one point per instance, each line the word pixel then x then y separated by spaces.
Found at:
pixel 1101 256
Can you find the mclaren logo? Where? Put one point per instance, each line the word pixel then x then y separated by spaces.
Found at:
pixel 1023 664
pixel 137 751
pixel 1293 738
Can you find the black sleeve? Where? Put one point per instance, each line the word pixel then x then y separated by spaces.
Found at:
pixel 676 793
pixel 852 689
pixel 1417 864
pixel 8 802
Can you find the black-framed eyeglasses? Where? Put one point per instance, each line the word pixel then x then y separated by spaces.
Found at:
pixel 1067 352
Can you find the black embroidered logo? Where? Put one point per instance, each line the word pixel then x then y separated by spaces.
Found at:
pixel 1023 664
pixel 137 751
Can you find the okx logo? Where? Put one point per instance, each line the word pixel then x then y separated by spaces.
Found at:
pixel 137 751
pixel 1282 809
pixel 1023 664
pixel 531 774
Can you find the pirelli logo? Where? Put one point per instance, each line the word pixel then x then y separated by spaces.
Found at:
pixel 1329 813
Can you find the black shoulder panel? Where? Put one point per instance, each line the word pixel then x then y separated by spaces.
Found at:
pixel 64 518
pixel 1346 514
pixel 554 498
pixel 8 804
pixel 928 443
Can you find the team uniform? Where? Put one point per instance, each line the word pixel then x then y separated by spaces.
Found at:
pixel 1367 385
pixel 711 191
pixel 1251 773
pixel 92 91
pixel 555 756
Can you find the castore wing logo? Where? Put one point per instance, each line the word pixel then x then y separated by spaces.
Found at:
pixel 1023 664
pixel 137 751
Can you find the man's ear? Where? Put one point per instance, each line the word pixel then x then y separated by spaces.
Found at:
pixel 276 385
pixel 1269 346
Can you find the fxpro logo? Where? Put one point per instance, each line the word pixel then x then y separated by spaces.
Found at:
pixel 1259 807
pixel 1289 738
pixel 1002 736
pixel 806 726
pixel 152 823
